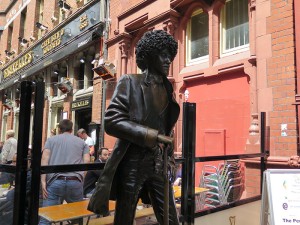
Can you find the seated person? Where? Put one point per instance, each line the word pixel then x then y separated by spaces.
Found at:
pixel 7 205
pixel 177 181
pixel 92 176
pixel 8 178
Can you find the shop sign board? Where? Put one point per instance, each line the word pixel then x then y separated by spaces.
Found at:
pixel 67 34
pixel 18 64
pixel 281 197
pixel 81 104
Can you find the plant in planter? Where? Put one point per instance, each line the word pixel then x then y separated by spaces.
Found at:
pixel 65 86
pixel 106 70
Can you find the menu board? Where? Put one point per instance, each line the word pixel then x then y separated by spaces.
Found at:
pixel 281 197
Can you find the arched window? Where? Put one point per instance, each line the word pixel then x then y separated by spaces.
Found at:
pixel 234 26
pixel 197 38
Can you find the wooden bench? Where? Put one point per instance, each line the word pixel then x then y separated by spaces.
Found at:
pixel 145 212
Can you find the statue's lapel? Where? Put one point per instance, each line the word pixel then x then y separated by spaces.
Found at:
pixel 146 96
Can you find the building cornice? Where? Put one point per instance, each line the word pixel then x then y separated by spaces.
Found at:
pixel 134 9
pixel 118 38
pixel 149 22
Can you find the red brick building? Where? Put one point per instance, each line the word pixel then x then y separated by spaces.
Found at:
pixel 58 42
pixel 236 59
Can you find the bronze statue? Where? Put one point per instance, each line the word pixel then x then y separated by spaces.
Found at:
pixel 142 115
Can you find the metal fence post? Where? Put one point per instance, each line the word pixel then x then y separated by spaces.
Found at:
pixel 188 166
pixel 262 147
pixel 33 217
pixel 22 152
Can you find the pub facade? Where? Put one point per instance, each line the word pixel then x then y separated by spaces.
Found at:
pixel 62 55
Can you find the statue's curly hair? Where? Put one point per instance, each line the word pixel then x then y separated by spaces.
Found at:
pixel 151 43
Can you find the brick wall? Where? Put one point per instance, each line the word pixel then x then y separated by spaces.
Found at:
pixel 281 78
pixel 252 180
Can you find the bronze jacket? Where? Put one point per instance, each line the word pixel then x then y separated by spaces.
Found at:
pixel 124 119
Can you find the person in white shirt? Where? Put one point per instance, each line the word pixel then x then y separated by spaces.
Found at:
pixel 9 148
pixel 87 139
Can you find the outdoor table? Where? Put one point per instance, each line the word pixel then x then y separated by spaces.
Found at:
pixel 177 191
pixel 70 211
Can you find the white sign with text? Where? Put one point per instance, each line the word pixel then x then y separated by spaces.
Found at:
pixel 281 197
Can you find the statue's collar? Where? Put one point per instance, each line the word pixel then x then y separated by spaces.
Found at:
pixel 153 79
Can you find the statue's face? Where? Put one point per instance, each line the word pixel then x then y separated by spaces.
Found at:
pixel 161 63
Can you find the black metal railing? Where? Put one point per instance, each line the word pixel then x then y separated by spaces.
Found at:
pixel 188 160
pixel 188 166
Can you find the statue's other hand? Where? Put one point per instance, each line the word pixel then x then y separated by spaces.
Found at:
pixel 97 204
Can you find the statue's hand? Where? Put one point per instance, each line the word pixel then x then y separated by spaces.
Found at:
pixel 165 139
pixel 167 142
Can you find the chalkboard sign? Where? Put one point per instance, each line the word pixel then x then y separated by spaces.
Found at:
pixel 281 197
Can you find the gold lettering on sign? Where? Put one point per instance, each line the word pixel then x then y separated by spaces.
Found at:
pixel 80 104
pixel 84 22
pixel 17 65
pixel 53 41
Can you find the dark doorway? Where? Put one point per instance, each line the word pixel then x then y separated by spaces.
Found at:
pixel 82 119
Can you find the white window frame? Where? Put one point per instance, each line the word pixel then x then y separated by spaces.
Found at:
pixel 41 17
pixel 16 121
pixel 234 50
pixel 55 109
pixel 201 59
pixel 4 125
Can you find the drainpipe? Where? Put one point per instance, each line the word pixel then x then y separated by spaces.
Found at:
pixel 297 62
pixel 104 47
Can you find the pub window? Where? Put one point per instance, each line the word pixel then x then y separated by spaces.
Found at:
pixel 4 127
pixel 9 36
pixel 40 15
pixel 23 24
pixel 17 97
pixel 80 78
pixel 89 74
pixel 53 83
pixel 197 38
pixel 234 26
pixel 16 124
pixel 90 79
pixel 17 110
pixel 56 115
pixel 7 99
